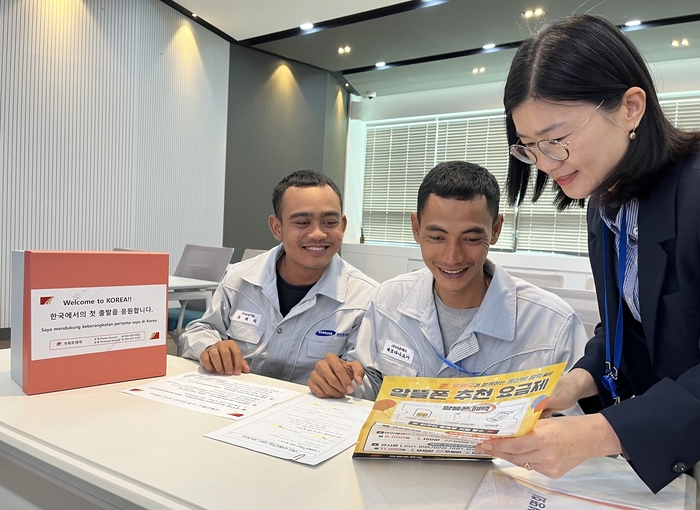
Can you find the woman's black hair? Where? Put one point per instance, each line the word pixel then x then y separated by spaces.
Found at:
pixel 585 58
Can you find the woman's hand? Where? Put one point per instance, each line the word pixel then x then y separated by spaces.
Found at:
pixel 557 445
pixel 571 387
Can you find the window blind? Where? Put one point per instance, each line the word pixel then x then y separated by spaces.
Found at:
pixel 398 155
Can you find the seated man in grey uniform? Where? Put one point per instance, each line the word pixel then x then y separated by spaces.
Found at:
pixel 279 313
pixel 463 315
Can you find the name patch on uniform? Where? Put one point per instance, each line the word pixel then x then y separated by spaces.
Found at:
pixel 249 318
pixel 398 351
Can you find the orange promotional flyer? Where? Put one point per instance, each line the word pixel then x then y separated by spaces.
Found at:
pixel 423 417
pixel 87 318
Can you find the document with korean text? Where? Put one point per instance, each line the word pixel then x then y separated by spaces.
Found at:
pixel 225 396
pixel 446 418
pixel 306 429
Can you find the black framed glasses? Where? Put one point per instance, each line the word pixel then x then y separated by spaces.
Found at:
pixel 551 148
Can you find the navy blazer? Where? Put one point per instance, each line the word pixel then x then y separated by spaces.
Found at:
pixel 659 429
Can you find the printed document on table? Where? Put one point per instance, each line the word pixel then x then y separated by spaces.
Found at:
pixel 306 429
pixel 597 484
pixel 423 417
pixel 225 396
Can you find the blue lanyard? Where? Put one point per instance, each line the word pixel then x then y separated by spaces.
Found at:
pixel 454 365
pixel 609 380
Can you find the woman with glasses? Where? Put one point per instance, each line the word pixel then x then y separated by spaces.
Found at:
pixel 581 110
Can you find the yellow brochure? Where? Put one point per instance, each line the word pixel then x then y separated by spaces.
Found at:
pixel 423 417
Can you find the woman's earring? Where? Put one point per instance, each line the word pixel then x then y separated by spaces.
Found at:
pixel 633 135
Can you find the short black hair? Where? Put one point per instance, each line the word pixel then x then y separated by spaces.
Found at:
pixel 587 59
pixel 302 179
pixel 460 180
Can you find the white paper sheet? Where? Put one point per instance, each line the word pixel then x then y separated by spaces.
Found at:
pixel 602 483
pixel 225 396
pixel 307 429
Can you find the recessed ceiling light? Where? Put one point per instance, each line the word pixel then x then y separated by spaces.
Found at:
pixel 347 84
pixel 532 13
pixel 194 15
pixel 683 42
pixel 488 46
pixel 306 26
pixel 380 64
pixel 478 70
pixel 344 49
pixel 633 23
pixel 482 69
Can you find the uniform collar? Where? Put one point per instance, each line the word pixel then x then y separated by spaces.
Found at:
pixel 496 315
pixel 333 281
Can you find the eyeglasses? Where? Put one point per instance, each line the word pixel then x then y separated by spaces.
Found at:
pixel 551 148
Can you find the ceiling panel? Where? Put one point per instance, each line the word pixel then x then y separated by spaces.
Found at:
pixel 443 27
pixel 453 26
pixel 243 19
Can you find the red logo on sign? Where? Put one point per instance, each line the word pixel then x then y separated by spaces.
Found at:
pixel 46 300
pixel 155 336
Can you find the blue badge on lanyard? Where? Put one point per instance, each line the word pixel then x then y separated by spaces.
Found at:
pixel 609 380
pixel 455 365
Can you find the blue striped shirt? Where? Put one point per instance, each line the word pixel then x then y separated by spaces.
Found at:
pixel 613 219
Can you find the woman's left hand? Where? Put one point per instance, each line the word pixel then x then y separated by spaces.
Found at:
pixel 557 445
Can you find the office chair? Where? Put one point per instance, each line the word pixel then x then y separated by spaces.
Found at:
pixel 249 253
pixel 201 263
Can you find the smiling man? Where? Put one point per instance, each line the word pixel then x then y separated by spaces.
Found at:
pixel 282 311
pixel 463 315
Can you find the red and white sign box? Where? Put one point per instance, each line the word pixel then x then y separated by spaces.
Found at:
pixel 87 318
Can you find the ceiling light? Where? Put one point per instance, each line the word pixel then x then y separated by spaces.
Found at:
pixel 685 42
pixel 306 26
pixel 478 70
pixel 347 84
pixel 633 23
pixel 347 49
pixel 344 49
pixel 380 64
pixel 194 15
pixel 489 46
pixel 530 13
pixel 482 69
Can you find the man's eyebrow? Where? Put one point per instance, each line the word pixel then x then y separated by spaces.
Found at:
pixel 473 230
pixel 306 214
pixel 541 132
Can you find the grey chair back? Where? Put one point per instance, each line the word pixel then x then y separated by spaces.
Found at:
pixel 203 263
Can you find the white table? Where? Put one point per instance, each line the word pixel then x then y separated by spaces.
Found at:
pixel 188 289
pixel 99 448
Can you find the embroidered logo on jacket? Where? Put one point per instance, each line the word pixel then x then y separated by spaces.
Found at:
pixel 330 332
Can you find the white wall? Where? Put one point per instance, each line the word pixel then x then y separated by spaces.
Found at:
pixel 112 131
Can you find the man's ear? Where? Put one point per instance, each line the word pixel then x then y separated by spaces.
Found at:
pixel 496 229
pixel 344 221
pixel 415 226
pixel 275 227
